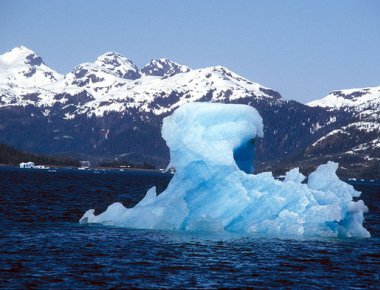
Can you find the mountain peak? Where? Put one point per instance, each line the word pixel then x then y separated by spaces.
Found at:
pixel 21 54
pixel 22 50
pixel 22 67
pixel 163 67
pixel 112 57
pixel 118 64
pixel 349 98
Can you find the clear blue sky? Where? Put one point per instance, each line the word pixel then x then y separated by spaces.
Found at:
pixel 303 49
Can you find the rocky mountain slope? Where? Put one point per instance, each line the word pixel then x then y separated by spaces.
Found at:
pixel 358 140
pixel 112 109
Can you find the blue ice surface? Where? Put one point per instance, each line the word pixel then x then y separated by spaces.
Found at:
pixel 211 148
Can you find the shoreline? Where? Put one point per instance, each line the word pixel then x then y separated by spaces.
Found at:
pixel 52 167
pixel 352 181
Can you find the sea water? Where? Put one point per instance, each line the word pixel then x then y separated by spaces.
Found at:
pixel 43 246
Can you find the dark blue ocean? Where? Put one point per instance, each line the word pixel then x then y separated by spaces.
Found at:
pixel 42 245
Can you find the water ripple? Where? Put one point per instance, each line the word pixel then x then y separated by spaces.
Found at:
pixel 43 246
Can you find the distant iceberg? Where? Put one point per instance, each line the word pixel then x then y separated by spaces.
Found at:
pixel 27 164
pixel 211 147
pixel 32 165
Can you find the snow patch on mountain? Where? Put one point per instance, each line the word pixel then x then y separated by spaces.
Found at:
pixel 367 127
pixel 375 143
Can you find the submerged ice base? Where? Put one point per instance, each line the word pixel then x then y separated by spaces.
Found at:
pixel 211 147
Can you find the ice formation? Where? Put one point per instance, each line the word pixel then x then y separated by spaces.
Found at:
pixel 211 147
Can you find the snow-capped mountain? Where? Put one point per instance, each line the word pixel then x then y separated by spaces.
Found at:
pixel 160 95
pixel 22 67
pixel 119 65
pixel 113 83
pixel 349 98
pixel 110 108
pixel 365 102
pixel 359 138
pixel 163 67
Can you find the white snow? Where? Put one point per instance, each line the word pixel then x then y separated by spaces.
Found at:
pixel 105 81
pixel 364 104
pixel 17 70
pixel 357 99
pixel 373 144
pixel 117 63
pixel 361 126
pixel 209 192
pixel 315 127
pixel 163 67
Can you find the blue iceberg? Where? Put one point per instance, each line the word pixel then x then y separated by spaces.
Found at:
pixel 213 189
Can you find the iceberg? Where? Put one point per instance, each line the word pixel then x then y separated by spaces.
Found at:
pixel 27 165
pixel 214 188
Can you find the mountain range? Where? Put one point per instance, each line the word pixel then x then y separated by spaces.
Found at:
pixel 111 109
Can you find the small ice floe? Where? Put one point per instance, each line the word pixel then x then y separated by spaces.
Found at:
pixel 27 164
pixel 31 165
